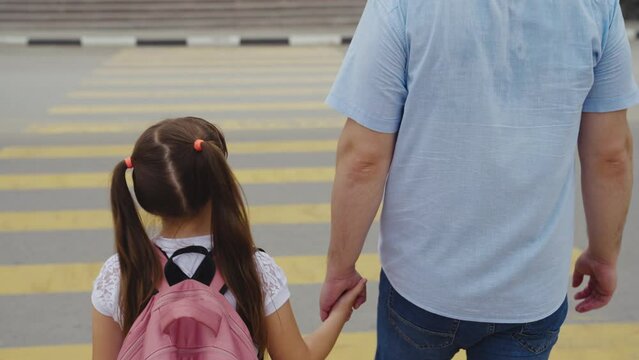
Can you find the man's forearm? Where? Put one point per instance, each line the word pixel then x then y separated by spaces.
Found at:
pixel 606 189
pixel 363 162
pixel 357 194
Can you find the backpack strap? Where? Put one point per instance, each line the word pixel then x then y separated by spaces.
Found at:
pixel 218 283
pixel 163 260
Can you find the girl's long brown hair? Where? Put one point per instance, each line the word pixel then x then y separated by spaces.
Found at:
pixel 172 180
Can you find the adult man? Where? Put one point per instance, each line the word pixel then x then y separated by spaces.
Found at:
pixel 480 106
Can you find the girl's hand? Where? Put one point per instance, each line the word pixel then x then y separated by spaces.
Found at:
pixel 344 305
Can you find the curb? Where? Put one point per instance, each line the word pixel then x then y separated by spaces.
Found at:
pixel 232 40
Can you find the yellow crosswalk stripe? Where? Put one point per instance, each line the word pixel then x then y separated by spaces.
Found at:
pixel 19 221
pixel 257 70
pixel 62 152
pixel 227 125
pixel 180 81
pixel 236 58
pixel 78 277
pixel 54 181
pixel 100 151
pixel 86 180
pixel 96 109
pixel 597 341
pixel 195 93
pixel 88 127
pixel 51 352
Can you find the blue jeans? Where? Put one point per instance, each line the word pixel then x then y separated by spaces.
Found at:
pixel 408 332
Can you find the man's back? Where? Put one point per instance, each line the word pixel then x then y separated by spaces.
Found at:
pixel 486 99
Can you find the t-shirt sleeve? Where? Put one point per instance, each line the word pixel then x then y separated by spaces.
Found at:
pixel 106 287
pixel 371 85
pixel 614 86
pixel 276 292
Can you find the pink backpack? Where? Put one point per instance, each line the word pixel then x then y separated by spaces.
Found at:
pixel 188 319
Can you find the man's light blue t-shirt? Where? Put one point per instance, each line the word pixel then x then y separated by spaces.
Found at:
pixel 486 100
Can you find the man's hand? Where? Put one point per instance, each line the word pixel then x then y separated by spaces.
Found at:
pixel 601 286
pixel 335 286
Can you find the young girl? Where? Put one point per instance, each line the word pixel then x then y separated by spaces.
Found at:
pixel 181 175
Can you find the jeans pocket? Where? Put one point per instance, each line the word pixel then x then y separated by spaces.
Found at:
pixel 539 336
pixel 418 327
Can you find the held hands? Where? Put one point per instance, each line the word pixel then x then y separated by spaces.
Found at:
pixel 344 305
pixel 602 282
pixel 342 291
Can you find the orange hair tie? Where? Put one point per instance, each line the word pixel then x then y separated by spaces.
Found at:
pixel 197 145
pixel 128 162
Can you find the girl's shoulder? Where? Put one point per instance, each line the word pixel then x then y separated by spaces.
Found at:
pixel 274 282
pixel 106 288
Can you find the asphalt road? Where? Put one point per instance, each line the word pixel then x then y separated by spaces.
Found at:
pixel 67 115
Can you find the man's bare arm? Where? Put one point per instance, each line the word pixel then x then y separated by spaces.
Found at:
pixel 605 151
pixel 363 161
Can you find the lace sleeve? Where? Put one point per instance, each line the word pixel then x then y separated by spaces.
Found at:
pixel 274 281
pixel 106 289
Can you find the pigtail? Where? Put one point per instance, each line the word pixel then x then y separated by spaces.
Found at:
pixel 139 265
pixel 234 249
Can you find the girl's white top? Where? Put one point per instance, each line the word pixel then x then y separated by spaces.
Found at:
pixel 106 288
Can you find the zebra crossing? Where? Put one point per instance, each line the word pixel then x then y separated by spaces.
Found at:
pixel 56 225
